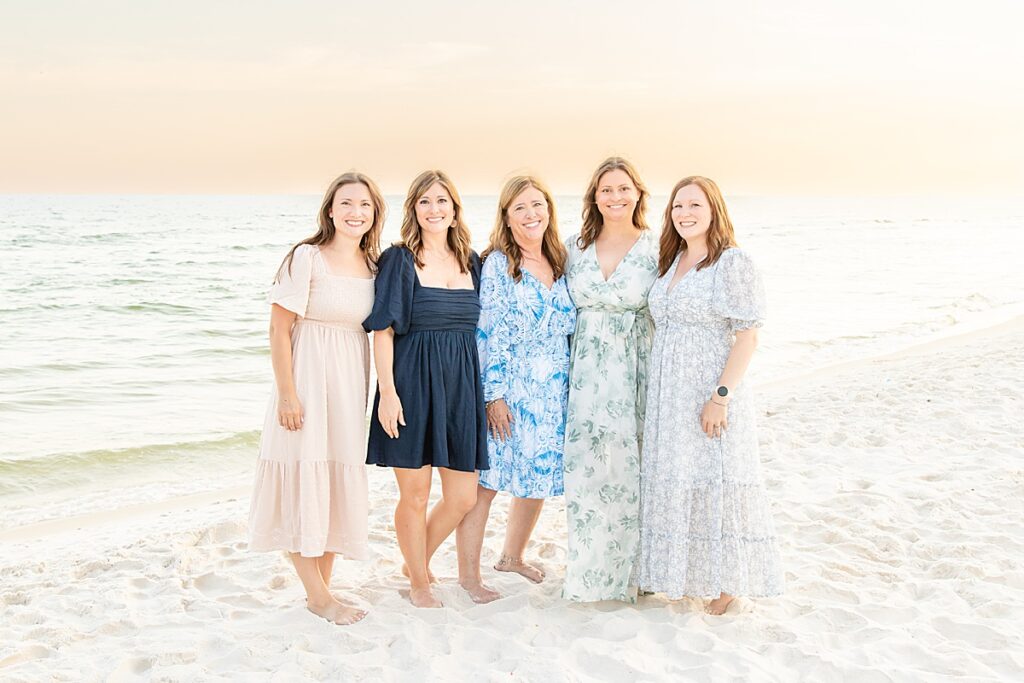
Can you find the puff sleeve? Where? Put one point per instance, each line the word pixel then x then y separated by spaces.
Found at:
pixel 493 335
pixel 739 291
pixel 291 290
pixel 392 301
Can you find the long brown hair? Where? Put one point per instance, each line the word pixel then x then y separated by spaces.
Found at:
pixel 501 238
pixel 720 235
pixel 592 220
pixel 369 243
pixel 458 233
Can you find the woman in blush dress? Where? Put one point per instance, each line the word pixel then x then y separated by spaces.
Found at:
pixel 310 496
pixel 612 264
pixel 523 338
pixel 706 529
pixel 429 409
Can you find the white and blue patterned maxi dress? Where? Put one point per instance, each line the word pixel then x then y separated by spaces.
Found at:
pixel 705 522
pixel 523 340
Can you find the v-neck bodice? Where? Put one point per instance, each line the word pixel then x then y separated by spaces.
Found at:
pixel 625 289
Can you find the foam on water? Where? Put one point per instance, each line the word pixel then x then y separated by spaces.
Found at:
pixel 134 328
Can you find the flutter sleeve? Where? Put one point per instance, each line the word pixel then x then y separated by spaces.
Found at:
pixel 739 291
pixel 493 333
pixel 393 291
pixel 291 289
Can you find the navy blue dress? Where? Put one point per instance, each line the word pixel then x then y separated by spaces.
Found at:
pixel 436 368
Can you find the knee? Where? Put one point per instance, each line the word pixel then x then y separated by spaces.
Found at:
pixel 414 501
pixel 463 501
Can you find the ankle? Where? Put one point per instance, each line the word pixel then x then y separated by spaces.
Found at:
pixel 320 601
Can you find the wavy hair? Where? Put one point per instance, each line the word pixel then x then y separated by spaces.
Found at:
pixel 369 243
pixel 720 235
pixel 592 220
pixel 412 233
pixel 502 240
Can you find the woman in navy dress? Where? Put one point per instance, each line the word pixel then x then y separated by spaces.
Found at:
pixel 429 405
pixel 523 338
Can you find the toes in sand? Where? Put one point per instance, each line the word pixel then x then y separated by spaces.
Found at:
pixel 335 612
pixel 423 597
pixel 719 605
pixel 479 593
pixel 517 566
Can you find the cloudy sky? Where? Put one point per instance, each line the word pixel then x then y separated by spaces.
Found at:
pixel 796 96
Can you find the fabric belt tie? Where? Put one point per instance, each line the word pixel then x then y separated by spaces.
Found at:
pixel 628 316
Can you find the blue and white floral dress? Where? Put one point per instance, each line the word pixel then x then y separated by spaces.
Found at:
pixel 523 340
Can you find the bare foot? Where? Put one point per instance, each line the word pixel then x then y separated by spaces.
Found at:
pixel 479 593
pixel 335 612
pixel 423 597
pixel 430 575
pixel 343 600
pixel 517 566
pixel 720 604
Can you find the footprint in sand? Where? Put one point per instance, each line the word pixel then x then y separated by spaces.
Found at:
pixel 978 635
pixel 91 569
pixel 549 550
pixel 15 598
pixel 142 583
pixel 618 630
pixel 214 586
pixel 26 654
pixel 129 668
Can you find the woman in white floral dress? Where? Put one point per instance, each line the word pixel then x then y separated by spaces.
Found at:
pixel 612 264
pixel 706 529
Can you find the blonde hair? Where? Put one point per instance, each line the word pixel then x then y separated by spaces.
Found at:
pixel 720 235
pixel 592 220
pixel 458 233
pixel 502 240
pixel 369 243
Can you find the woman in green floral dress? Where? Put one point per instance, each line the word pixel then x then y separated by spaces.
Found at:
pixel 612 264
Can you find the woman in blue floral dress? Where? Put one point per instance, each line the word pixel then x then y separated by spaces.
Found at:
pixel 523 338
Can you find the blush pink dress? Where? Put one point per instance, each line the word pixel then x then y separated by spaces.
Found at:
pixel 310 495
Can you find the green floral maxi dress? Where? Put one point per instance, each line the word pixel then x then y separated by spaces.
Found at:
pixel 607 386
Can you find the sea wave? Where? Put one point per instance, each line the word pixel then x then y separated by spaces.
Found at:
pixel 60 470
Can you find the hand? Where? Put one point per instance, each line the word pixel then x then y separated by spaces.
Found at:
pixel 499 419
pixel 289 412
pixel 714 419
pixel 390 413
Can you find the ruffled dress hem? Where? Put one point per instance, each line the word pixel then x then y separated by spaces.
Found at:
pixel 310 507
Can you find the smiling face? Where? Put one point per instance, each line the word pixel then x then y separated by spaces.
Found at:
pixel 527 217
pixel 691 214
pixel 352 210
pixel 616 196
pixel 435 210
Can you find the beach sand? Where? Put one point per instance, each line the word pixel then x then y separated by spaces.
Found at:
pixel 898 492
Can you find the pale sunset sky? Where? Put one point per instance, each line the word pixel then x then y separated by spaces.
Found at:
pixel 796 96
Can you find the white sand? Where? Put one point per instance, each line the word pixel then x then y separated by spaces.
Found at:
pixel 898 486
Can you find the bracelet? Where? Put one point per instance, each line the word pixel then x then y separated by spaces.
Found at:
pixel 493 400
pixel 724 405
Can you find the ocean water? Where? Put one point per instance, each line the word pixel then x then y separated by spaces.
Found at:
pixel 134 349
